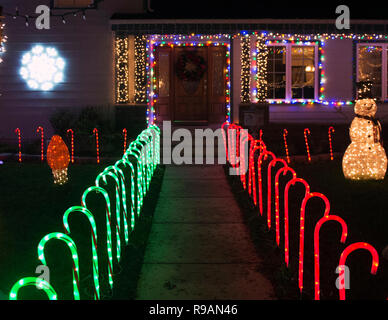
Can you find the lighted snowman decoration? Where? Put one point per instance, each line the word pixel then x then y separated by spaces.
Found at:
pixel 365 157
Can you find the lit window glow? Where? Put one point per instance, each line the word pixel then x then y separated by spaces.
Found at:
pixel 42 68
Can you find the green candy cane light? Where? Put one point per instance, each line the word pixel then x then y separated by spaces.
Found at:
pixel 108 214
pixel 141 157
pixel 93 227
pixel 32 281
pixel 73 248
pixel 102 176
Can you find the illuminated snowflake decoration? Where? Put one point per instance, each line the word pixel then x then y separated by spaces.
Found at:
pixel 42 68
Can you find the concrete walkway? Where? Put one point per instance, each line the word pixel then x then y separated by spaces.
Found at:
pixel 199 247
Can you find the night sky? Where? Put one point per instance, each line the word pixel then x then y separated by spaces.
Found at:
pixel 265 9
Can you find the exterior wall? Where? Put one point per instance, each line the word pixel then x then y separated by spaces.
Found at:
pixel 338 66
pixel 87 47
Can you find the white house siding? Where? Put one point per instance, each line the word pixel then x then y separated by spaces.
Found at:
pixel 87 47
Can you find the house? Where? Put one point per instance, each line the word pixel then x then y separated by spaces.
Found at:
pixel 145 68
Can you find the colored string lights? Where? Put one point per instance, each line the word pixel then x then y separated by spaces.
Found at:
pixel 95 132
pixel 41 131
pixel 331 130
pixel 18 132
pixel 307 132
pixel 71 143
pixel 140 160
pixel 183 41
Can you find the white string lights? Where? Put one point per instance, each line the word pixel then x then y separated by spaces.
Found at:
pixel 245 58
pixel 122 74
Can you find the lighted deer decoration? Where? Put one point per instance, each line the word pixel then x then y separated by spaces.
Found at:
pixel 342 262
pixel 317 228
pixel 269 187
pixel 283 171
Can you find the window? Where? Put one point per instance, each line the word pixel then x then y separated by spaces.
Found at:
pixel 276 69
pixel 72 4
pixel 372 68
pixel 292 72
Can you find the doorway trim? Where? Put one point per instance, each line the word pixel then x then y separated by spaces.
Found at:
pixel 185 41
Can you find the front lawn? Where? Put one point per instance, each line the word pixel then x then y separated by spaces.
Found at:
pixel 363 206
pixel 32 206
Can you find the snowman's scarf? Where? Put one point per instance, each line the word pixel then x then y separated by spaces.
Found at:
pixel 376 128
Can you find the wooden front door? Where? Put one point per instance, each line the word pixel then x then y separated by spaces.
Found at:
pixel 191 102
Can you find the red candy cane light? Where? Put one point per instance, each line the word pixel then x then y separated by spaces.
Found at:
pixel 318 226
pixel 301 234
pixel 342 262
pixel 41 131
pixel 264 155
pixel 72 143
pixel 125 139
pixel 269 187
pixel 285 134
pixel 286 224
pixel 331 130
pixel 95 132
pixel 283 171
pixel 307 132
pixel 17 131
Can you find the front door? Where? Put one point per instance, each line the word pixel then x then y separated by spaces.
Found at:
pixel 191 97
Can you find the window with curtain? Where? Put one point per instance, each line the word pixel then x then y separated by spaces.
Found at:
pixel 292 72
pixel 276 69
pixel 303 72
pixel 370 68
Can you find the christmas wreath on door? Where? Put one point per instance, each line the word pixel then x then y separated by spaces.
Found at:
pixel 190 67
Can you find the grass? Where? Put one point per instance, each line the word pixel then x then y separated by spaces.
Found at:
pixel 364 208
pixel 32 206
